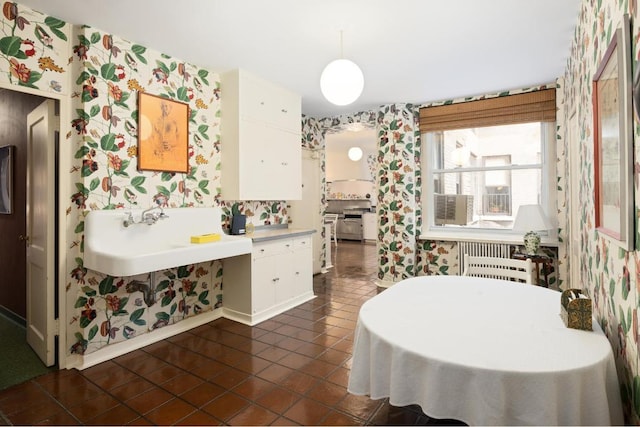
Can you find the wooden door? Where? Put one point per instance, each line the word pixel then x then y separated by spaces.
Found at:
pixel 41 149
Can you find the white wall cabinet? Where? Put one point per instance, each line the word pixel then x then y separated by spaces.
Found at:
pixel 261 139
pixel 278 276
pixel 369 226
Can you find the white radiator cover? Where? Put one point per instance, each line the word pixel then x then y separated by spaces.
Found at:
pixel 498 250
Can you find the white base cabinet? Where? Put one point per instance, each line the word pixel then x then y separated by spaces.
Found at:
pixel 278 276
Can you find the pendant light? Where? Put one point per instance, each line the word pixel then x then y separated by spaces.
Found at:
pixel 355 153
pixel 342 80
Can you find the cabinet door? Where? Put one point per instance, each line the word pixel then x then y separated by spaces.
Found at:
pixel 252 96
pixel 288 163
pixel 273 162
pixel 285 284
pixel 258 179
pixel 263 284
pixel 264 101
pixel 303 266
pixel 284 111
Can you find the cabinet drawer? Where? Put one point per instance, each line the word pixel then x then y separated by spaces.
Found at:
pixel 272 248
pixel 302 242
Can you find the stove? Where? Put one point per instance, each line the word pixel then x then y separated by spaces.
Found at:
pixel 349 226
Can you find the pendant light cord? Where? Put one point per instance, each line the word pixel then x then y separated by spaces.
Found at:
pixel 341 47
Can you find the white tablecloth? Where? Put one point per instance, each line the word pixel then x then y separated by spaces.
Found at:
pixel 483 351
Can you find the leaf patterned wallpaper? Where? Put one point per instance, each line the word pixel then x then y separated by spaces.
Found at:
pixel 34 48
pixel 610 274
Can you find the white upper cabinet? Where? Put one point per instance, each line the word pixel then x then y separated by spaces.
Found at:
pixel 261 139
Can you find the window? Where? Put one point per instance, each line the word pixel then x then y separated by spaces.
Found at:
pixel 496 198
pixel 476 177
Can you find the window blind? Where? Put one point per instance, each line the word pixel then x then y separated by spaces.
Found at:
pixel 538 106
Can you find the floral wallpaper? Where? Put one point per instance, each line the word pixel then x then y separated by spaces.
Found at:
pixel 34 48
pixel 609 274
pixel 437 257
pixel 313 139
pixel 399 186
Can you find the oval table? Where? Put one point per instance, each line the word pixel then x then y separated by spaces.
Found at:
pixel 483 351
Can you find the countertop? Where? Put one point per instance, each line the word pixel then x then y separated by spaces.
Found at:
pixel 263 235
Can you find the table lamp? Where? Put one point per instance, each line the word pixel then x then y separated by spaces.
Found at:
pixel 531 219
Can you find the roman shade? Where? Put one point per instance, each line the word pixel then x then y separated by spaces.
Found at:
pixel 538 106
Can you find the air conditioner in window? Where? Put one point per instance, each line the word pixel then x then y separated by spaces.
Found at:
pixel 453 209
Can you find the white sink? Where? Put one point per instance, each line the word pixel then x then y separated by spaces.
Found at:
pixel 116 250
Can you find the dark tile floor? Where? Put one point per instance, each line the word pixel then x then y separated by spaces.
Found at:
pixel 290 370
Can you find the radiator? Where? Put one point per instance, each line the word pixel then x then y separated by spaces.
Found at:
pixel 498 250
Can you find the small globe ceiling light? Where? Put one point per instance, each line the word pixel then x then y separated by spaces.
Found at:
pixel 355 153
pixel 341 81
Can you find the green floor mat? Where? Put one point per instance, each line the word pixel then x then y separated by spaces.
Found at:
pixel 18 362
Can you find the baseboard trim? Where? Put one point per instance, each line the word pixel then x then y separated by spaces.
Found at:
pixel 384 283
pixel 21 321
pixel 254 319
pixel 114 350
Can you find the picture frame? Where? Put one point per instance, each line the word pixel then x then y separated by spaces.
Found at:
pixel 163 134
pixel 613 141
pixel 6 179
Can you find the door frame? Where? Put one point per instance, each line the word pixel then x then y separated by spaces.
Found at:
pixel 64 164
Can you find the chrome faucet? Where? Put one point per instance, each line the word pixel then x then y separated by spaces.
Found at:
pixel 129 221
pixel 148 217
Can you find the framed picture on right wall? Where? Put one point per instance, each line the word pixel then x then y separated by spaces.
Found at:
pixel 613 141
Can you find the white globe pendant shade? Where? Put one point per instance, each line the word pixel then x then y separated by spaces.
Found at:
pixel 355 153
pixel 341 82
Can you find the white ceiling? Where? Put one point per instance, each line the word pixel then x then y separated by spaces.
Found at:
pixel 409 50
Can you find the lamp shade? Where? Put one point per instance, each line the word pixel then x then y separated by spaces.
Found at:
pixel 355 153
pixel 341 82
pixel 531 218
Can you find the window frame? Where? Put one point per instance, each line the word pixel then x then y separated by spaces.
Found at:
pixel 548 193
